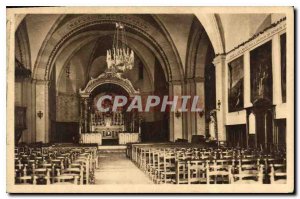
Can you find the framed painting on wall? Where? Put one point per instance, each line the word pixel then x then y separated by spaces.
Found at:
pixel 261 72
pixel 236 84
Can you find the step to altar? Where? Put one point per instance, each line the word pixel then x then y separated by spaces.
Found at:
pixel 112 148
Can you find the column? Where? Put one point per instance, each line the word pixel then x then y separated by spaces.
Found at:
pixel 247 81
pixel 276 70
pixel 33 111
pixel 219 63
pixel 81 130
pixel 189 118
pixel 84 108
pixel 200 121
pixel 42 103
pixel 175 123
pixel 29 102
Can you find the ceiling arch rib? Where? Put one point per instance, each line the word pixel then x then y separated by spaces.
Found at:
pixel 194 39
pixel 23 53
pixel 92 56
pixel 200 57
pixel 171 40
pixel 199 45
pixel 211 26
pixel 19 19
pixel 40 27
pixel 72 46
pixel 66 56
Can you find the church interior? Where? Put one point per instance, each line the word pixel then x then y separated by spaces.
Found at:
pixel 235 63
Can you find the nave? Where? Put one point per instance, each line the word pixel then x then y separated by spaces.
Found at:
pixel 159 163
pixel 116 168
pixel 70 164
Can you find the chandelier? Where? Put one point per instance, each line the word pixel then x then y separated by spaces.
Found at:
pixel 120 58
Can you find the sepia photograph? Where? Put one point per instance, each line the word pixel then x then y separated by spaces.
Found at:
pixel 150 100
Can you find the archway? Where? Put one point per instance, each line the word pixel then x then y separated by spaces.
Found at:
pixel 200 78
pixel 136 25
pixel 111 126
pixel 143 30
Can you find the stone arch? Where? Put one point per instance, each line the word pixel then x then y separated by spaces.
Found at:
pixel 162 26
pixel 22 46
pixel 143 28
pixel 198 46
pixel 213 28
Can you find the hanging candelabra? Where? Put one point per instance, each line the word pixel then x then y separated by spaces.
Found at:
pixel 120 58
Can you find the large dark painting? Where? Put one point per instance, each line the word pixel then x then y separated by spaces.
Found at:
pixel 261 73
pixel 236 84
pixel 283 66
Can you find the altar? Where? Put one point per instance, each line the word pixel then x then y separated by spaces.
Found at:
pixel 121 138
pixel 108 127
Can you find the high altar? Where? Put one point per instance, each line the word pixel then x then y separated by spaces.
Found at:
pixel 118 127
pixel 113 126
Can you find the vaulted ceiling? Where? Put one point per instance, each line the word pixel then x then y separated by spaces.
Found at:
pixel 57 40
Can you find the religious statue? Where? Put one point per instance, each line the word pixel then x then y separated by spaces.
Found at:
pixel 212 128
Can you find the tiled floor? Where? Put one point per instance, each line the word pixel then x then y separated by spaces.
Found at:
pixel 115 168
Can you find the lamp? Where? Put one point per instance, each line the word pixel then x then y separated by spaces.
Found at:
pixel 40 114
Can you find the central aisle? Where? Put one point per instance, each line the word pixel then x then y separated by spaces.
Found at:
pixel 115 168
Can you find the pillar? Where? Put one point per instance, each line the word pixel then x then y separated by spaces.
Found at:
pixel 189 118
pixel 175 123
pixel 84 110
pixel 28 100
pixel 33 110
pixel 200 121
pixel 42 104
pixel 247 80
pixel 25 97
pixel 219 63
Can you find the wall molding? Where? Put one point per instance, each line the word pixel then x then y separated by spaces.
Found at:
pixel 258 38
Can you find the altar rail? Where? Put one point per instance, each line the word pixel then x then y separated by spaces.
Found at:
pixel 89 138
pixel 125 138
pixel 96 138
